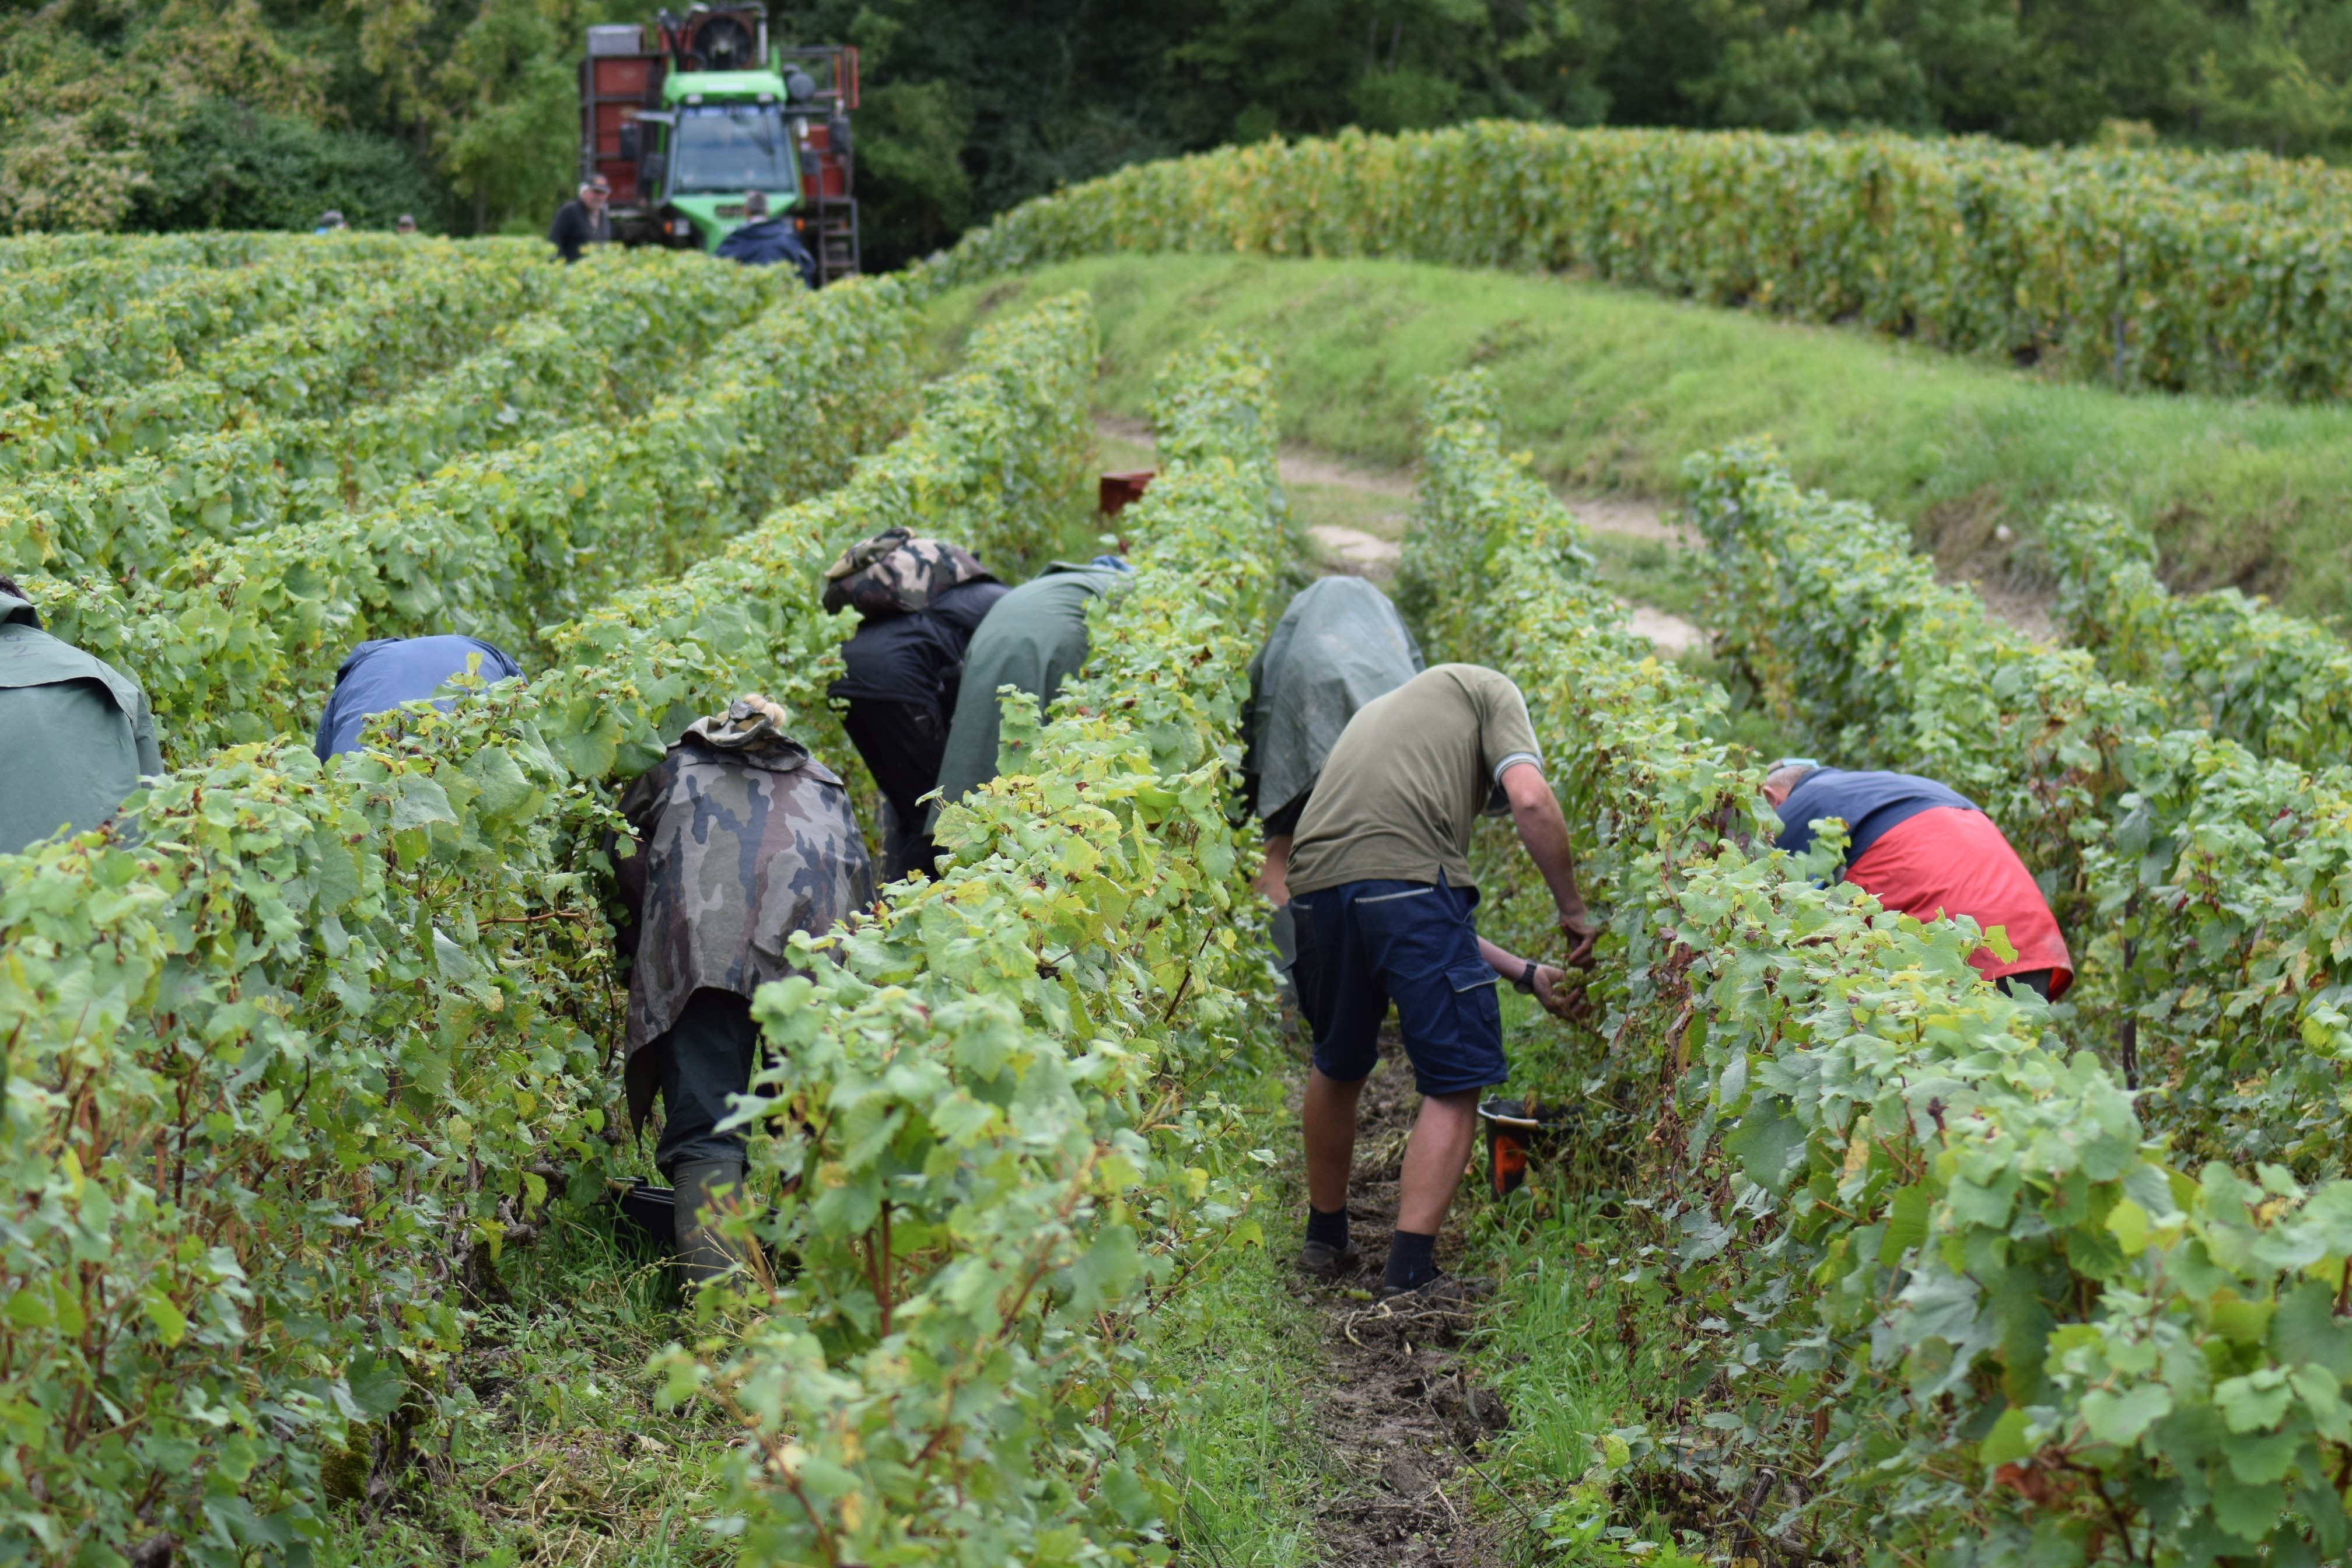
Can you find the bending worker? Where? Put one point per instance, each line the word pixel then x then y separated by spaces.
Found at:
pixel 921 600
pixel 380 675
pixel 1339 644
pixel 1921 849
pixel 1033 639
pixel 739 838
pixel 80 733
pixel 1380 888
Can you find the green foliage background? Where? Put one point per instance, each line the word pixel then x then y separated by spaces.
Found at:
pixel 186 113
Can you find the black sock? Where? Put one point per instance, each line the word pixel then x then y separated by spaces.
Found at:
pixel 1329 1229
pixel 1412 1261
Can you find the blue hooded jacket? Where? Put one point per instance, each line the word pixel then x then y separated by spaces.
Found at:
pixel 1868 804
pixel 382 675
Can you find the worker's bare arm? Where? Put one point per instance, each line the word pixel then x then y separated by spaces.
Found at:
pixel 1274 879
pixel 1544 830
pixel 1553 988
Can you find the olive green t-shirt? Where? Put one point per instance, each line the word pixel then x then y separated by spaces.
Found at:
pixel 1402 790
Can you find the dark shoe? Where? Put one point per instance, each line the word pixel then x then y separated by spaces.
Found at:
pixel 1446 1292
pixel 1329 1263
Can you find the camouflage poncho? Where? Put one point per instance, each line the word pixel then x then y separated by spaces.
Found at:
pixel 742 839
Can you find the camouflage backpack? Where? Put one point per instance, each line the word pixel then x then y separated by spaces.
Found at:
pixel 896 572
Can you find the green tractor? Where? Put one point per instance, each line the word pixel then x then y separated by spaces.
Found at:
pixel 686 130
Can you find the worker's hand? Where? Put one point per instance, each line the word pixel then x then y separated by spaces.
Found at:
pixel 1584 932
pixel 1561 996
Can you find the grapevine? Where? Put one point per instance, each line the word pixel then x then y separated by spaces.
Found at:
pixel 612 329
pixel 1976 1302
pixel 2169 269
pixel 294 1061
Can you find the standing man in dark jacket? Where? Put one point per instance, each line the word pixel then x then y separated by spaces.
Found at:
pixel 583 220
pixel 80 733
pixel 765 240
pixel 739 838
pixel 921 600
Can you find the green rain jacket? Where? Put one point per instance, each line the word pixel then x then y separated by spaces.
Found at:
pixel 1033 638
pixel 80 733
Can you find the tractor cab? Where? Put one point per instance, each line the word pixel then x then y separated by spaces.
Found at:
pixel 686 130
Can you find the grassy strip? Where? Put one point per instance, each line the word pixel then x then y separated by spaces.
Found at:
pixel 1610 388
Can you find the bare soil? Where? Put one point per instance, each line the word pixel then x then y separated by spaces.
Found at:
pixel 1405 1424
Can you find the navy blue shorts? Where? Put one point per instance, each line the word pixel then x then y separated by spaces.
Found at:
pixel 1364 944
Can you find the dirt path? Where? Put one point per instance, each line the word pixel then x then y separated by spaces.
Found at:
pixel 1357 515
pixel 1405 1423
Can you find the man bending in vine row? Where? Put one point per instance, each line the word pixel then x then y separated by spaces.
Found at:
pixel 1381 891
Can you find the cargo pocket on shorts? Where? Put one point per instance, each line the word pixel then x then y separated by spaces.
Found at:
pixel 1478 1014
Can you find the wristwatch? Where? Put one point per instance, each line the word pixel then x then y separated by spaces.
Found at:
pixel 1526 980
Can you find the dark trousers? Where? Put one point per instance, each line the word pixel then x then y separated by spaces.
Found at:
pixel 902 744
pixel 705 1060
pixel 2034 980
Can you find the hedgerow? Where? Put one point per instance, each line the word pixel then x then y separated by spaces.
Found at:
pixel 379 336
pixel 236 640
pixel 999 1172
pixel 434 297
pixel 2218 661
pixel 616 332
pixel 297 1048
pixel 1939 1296
pixel 2144 269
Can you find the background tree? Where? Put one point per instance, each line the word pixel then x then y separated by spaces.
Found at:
pixel 177 112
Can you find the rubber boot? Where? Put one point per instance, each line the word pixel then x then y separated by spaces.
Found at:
pixel 702 1256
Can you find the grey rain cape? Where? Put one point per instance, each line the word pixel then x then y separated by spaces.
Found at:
pixel 1339 646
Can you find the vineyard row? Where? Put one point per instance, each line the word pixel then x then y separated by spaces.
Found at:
pixel 238 640
pixel 1948 1297
pixel 609 331
pixel 2141 269
pixel 259 330
pixel 291 1066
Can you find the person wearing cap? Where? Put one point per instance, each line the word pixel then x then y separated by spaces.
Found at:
pixel 582 221
pixel 763 241
pixel 329 222
pixel 1339 644
pixel 80 733
pixel 737 838
pixel 379 676
pixel 1381 897
pixel 1033 639
pixel 919 601
pixel 1929 852
pixel 405 224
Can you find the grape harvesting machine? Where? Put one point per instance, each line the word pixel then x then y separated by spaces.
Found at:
pixel 687 118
